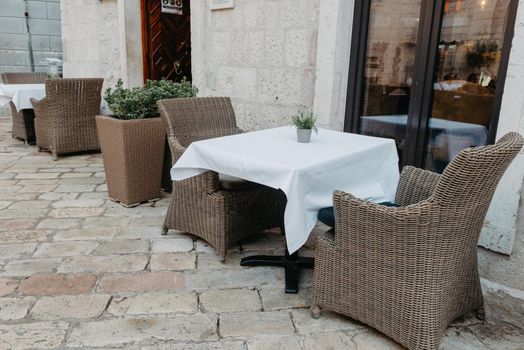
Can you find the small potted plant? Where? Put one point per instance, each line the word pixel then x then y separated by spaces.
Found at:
pixel 305 121
pixel 132 139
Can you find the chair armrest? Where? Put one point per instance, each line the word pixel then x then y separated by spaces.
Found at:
pixel 207 181
pixel 40 105
pixel 176 149
pixel 415 185
pixel 360 224
pixel 41 109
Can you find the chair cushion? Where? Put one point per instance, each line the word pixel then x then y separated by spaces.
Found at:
pixel 232 183
pixel 327 215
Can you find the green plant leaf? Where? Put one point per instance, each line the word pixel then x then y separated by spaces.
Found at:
pixel 140 102
pixel 305 119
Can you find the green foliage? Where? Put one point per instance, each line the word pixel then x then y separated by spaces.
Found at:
pixel 140 102
pixel 484 54
pixel 305 119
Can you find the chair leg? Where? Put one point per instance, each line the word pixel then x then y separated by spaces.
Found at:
pixel 315 311
pixel 38 149
pixel 480 313
pixel 55 155
pixel 164 230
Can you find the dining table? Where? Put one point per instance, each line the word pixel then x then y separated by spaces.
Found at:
pixel 308 174
pixel 21 94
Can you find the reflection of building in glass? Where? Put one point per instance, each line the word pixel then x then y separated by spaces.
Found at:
pixel 471 39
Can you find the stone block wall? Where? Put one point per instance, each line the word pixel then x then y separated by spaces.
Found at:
pixel 91 39
pixel 261 53
pixel 102 39
pixel 44 28
pixel 501 228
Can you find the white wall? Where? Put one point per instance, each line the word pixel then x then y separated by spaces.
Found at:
pixel 334 42
pixel 501 222
pixel 102 39
pixel 261 53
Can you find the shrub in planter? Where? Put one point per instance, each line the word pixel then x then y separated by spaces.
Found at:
pixel 132 139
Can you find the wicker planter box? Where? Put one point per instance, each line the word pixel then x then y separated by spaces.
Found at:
pixel 133 151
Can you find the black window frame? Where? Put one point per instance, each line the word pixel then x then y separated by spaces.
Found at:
pixel 430 21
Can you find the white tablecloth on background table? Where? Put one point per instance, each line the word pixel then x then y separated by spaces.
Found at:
pixel 21 94
pixel 308 173
pixel 453 135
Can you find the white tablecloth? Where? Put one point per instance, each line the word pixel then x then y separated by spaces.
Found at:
pixel 21 94
pixel 308 174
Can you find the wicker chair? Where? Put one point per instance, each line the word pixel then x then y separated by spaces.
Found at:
pixel 410 271
pixel 24 120
pixel 199 205
pixel 65 118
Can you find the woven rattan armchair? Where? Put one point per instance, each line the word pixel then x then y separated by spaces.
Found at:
pixel 410 271
pixel 65 118
pixel 24 120
pixel 199 205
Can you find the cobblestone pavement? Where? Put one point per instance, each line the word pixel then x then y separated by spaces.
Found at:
pixel 79 271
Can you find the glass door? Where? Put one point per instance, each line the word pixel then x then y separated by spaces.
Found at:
pixel 466 78
pixel 429 74
pixel 388 71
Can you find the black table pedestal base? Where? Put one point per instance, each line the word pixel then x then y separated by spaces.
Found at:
pixel 292 264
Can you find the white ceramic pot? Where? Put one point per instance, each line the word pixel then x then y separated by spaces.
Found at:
pixel 304 135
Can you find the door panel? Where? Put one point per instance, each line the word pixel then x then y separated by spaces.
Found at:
pixel 466 78
pixel 167 42
pixel 388 72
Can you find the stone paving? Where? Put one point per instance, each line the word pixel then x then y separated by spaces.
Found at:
pixel 80 271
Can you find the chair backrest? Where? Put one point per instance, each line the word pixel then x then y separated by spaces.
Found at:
pixel 24 78
pixel 468 183
pixel 198 118
pixel 75 97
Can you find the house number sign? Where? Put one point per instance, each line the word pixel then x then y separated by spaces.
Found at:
pixel 172 6
pixel 221 4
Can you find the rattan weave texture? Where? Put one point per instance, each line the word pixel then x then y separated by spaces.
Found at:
pixel 410 271
pixel 23 120
pixel 198 204
pixel 133 153
pixel 65 118
pixel 24 78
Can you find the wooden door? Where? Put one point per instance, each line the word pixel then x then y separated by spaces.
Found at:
pixel 166 41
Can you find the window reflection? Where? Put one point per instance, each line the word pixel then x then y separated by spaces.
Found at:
pixel 466 78
pixel 388 74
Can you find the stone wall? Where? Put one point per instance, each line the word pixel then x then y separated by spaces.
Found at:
pixel 44 29
pixel 333 52
pixel 102 39
pixel 91 40
pixel 501 222
pixel 261 53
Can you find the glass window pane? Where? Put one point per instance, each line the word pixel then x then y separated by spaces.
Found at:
pixel 388 75
pixel 466 78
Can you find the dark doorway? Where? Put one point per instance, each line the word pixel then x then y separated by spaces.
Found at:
pixel 166 46
pixel 166 41
pixel 429 74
